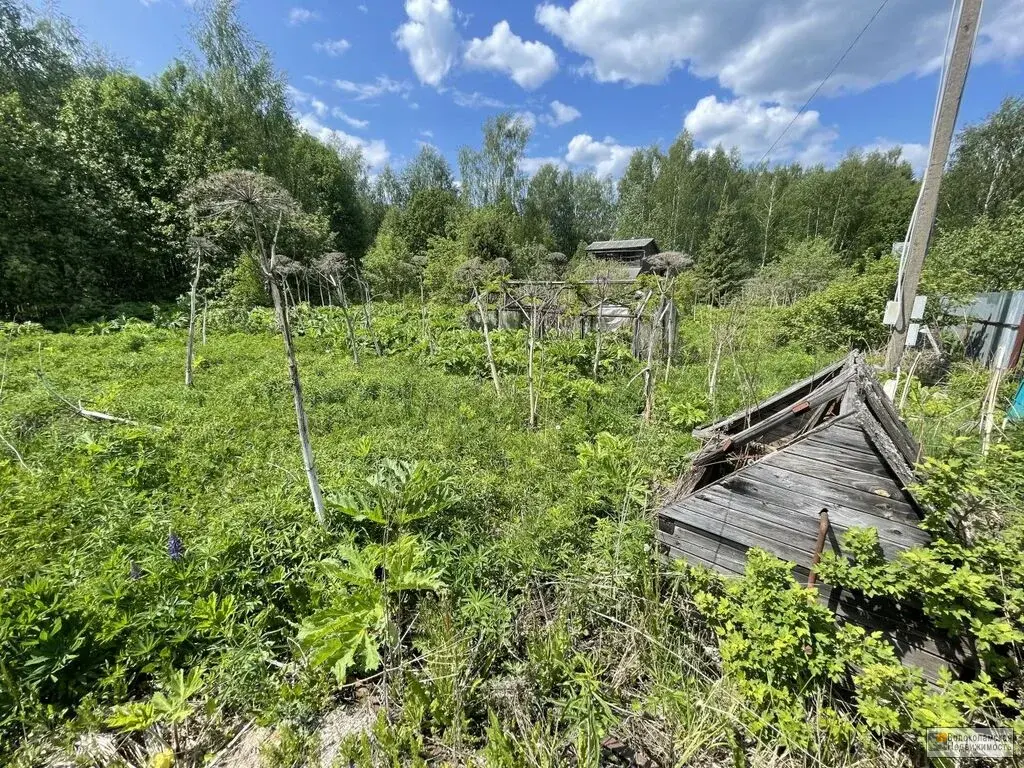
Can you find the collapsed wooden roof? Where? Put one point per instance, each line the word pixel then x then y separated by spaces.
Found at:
pixel 846 391
pixel 832 442
pixel 602 246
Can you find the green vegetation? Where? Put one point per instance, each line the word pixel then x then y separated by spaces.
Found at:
pixel 460 544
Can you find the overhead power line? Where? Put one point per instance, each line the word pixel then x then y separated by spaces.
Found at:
pixel 821 85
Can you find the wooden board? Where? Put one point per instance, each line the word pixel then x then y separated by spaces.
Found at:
pixel 830 493
pixel 704 551
pixel 822 447
pixel 697 519
pixel 746 416
pixel 878 483
pixel 847 435
pixel 914 644
pixel 898 531
pixel 763 501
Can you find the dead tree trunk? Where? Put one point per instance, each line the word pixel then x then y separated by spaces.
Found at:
pixel 487 341
pixel 656 320
pixel 308 462
pixel 602 297
pixel 281 311
pixel 671 328
pixel 204 319
pixel 350 326
pixel 425 318
pixel 367 312
pixel 190 344
pixel 529 370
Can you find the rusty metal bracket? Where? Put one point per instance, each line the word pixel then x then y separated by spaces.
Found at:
pixel 819 546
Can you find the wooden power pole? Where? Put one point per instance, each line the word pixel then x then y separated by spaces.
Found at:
pixel 928 201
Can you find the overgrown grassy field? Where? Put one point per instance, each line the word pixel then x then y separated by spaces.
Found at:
pixel 169 577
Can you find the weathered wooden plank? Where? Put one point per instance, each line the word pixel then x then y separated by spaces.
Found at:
pixel 914 647
pixel 829 493
pixel 708 552
pixel 761 501
pixel 850 398
pixel 881 442
pixel 916 642
pixel 714 520
pixel 781 399
pixel 787 430
pixel 846 433
pixel 695 517
pixel 879 484
pixel 820 446
pixel 799 525
pixel 830 391
pixel 884 411
pixel 900 531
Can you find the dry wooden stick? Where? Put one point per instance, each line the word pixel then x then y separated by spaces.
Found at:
pixel 85 413
pixel 8 443
pixel 487 341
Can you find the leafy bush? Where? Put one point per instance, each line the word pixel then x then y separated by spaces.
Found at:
pixel 847 314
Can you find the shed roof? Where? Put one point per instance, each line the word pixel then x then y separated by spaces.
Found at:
pixel 847 387
pixel 831 442
pixel 620 245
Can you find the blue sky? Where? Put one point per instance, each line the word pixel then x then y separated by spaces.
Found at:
pixel 598 77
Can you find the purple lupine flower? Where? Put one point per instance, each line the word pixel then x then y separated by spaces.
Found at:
pixel 135 572
pixel 175 549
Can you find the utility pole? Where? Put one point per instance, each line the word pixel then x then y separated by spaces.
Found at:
pixel 952 88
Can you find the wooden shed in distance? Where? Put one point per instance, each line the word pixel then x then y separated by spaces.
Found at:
pixel 634 255
pixel 830 444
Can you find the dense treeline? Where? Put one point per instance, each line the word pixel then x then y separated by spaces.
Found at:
pixel 94 162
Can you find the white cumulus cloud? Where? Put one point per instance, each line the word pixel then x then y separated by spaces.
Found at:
pixel 530 165
pixel 303 99
pixel 430 39
pixel 771 50
pixel 529 64
pixel 375 151
pixel 752 127
pixel 476 100
pixel 349 120
pixel 915 154
pixel 606 157
pixel 561 114
pixel 379 87
pixel 301 16
pixel 332 47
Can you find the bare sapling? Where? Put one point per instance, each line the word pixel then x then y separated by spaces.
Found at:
pixel 487 340
pixel 602 296
pixel 425 318
pixel 274 280
pixel 656 319
pixel 190 344
pixel 368 311
pixel 332 267
pixel 670 264
pixel 532 387
pixel 251 200
pixel 197 247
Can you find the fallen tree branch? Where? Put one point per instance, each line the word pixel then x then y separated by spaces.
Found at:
pixel 85 413
pixel 14 451
pixel 8 443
